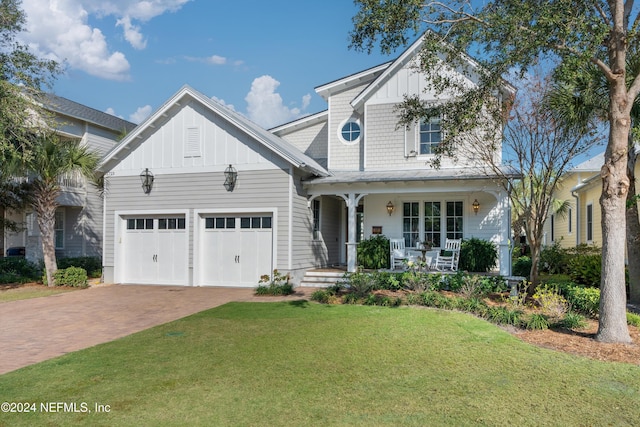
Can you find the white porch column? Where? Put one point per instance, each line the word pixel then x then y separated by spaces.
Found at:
pixel 352 200
pixel 505 246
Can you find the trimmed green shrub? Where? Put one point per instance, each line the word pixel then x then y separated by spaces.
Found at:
pixel 382 300
pixel 522 267
pixel 373 253
pixel 92 265
pixel 633 319
pixel 452 282
pixel 582 300
pixel 473 305
pixel 278 285
pixel 321 296
pixel 573 321
pixel 416 281
pixel 536 321
pixel 553 259
pixel 504 316
pixel 550 302
pixel 350 299
pixel 18 270
pixel 477 255
pixel 359 283
pixel 387 280
pixel 73 276
pixel 585 269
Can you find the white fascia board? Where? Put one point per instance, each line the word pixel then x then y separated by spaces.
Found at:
pixel 138 130
pixel 326 90
pixel 301 123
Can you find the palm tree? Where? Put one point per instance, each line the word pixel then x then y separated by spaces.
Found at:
pixel 52 159
pixel 578 102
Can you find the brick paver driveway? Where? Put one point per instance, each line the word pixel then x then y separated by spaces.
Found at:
pixel 38 329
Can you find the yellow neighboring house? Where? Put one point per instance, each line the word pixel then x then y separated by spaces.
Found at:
pixel 582 187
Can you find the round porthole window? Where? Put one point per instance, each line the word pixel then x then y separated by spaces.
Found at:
pixel 350 131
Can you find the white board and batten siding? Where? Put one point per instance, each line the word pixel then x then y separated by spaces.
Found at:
pixel 193 140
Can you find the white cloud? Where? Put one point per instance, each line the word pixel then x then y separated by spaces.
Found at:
pixel 221 101
pixel 217 60
pixel 60 30
pixel 113 112
pixel 132 33
pixel 213 59
pixel 265 105
pixel 141 114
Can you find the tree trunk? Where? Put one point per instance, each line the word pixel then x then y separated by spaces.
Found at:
pixel 612 323
pixel 633 233
pixel 45 207
pixel 534 274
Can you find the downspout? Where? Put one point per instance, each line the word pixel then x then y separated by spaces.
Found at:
pixel 509 218
pixel 577 197
pixel 104 230
pixel 290 220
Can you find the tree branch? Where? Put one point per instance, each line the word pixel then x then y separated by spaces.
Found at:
pixel 602 13
pixel 464 15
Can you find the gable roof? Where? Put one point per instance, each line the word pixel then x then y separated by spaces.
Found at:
pixel 66 107
pixel 301 123
pixel 276 144
pixel 393 67
pixel 594 164
pixel 344 83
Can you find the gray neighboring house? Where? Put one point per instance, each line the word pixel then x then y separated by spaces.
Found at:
pixel 78 227
pixel 306 193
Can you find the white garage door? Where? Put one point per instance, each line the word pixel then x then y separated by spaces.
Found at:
pixel 154 250
pixel 235 250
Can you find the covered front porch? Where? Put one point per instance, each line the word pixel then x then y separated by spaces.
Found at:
pixel 417 206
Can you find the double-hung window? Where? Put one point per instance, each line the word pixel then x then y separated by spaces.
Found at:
pixel 589 223
pixel 430 135
pixel 58 229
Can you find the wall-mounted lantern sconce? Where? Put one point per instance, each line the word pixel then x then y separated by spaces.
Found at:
pixel 390 208
pixel 476 206
pixel 230 178
pixel 146 177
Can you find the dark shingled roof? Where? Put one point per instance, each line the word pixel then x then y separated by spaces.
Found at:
pixel 64 106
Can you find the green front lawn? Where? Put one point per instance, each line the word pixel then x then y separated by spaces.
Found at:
pixel 300 364
pixel 29 291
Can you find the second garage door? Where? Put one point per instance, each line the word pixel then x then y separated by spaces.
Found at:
pixel 235 250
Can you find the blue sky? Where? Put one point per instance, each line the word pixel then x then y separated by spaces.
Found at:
pixel 263 58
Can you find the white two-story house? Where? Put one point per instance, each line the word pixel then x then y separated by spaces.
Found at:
pixel 304 193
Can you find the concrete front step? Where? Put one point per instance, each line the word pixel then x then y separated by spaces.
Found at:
pixel 321 279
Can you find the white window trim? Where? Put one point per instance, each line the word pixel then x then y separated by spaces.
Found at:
pixel 341 125
pixel 586 223
pixel 316 234
pixel 443 216
pixel 56 230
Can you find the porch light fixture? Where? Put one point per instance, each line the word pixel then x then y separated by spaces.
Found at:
pixel 146 177
pixel 390 208
pixel 476 206
pixel 230 178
